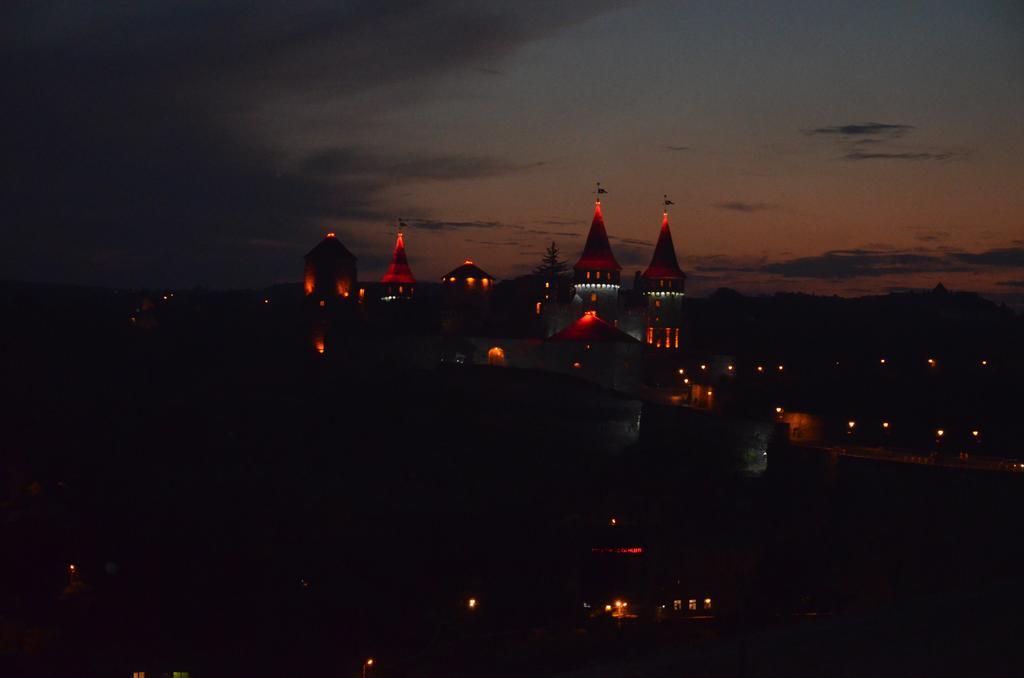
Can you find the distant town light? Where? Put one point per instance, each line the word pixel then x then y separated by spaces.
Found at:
pixel 613 522
pixel 778 410
pixel 607 608
pixel 780 368
pixel 882 361
pixel 686 381
pixel 682 371
pixel 984 363
pixel 931 362
pixel 940 432
pixel 471 603
pixel 975 433
pixel 851 424
pixel 729 368
pixel 703 366
pixel 760 368
pixel 885 424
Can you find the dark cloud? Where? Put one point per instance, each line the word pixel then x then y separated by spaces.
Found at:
pixel 1010 257
pixel 133 156
pixel 435 225
pixel 858 155
pixel 932 236
pixel 678 148
pixel 356 162
pixel 858 263
pixel 1011 283
pixel 865 129
pixel 738 206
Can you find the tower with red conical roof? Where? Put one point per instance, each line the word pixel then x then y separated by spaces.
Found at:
pixel 664 286
pixel 597 273
pixel 399 282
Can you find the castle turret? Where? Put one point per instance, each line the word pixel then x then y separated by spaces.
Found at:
pixel 597 273
pixel 399 282
pixel 330 272
pixel 664 285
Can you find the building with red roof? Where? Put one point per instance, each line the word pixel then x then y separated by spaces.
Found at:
pixel 398 281
pixel 597 351
pixel 330 271
pixel 597 274
pixel 664 285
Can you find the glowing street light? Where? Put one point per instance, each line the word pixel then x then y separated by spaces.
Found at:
pixel 780 368
pixel 682 371
pixel 760 368
pixel 975 433
pixel 778 410
pixel 703 366
pixel 367 665
pixel 471 603
pixel 882 361
pixel 613 522
pixel 686 381
pixel 939 432
pixel 730 368
pixel 984 363
pixel 931 362
pixel 885 424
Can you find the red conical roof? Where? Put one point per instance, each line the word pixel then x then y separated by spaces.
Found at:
pixel 399 271
pixel 664 263
pixel 590 328
pixel 597 253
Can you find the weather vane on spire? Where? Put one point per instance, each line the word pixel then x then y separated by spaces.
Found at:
pixel 667 202
pixel 600 191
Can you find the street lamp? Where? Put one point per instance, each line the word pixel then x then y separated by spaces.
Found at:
pixel 368 664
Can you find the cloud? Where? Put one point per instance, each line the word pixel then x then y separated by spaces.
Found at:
pixel 1011 283
pixel 868 263
pixel 932 236
pixel 943 155
pixel 145 139
pixel 1010 257
pixel 678 148
pixel 864 129
pixel 354 162
pixel 738 206
pixel 883 140
pixel 435 225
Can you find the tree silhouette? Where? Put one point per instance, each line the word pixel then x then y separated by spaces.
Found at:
pixel 551 265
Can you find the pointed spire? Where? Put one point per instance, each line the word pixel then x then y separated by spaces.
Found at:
pixel 664 263
pixel 399 271
pixel 597 252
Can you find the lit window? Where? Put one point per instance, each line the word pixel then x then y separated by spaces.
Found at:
pixel 400 290
pixel 657 303
pixel 707 603
pixel 593 296
pixel 691 604
pixel 650 335
pixel 538 308
pixel 496 357
pixel 661 283
pixel 677 605
pixel 588 275
pixel 677 337
pixel 138 674
pixel 179 674
pixel 547 285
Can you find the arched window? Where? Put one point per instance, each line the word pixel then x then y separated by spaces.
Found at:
pixel 496 357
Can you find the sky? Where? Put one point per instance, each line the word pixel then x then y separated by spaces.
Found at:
pixel 836 148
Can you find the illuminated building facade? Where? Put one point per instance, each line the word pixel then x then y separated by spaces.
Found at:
pixel 466 291
pixel 330 272
pixel 597 274
pixel 664 285
pixel 398 282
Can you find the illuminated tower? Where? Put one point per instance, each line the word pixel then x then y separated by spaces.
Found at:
pixel 664 284
pixel 466 292
pixel 398 281
pixel 597 274
pixel 330 272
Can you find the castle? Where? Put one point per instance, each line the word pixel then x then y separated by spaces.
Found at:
pixel 586 325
